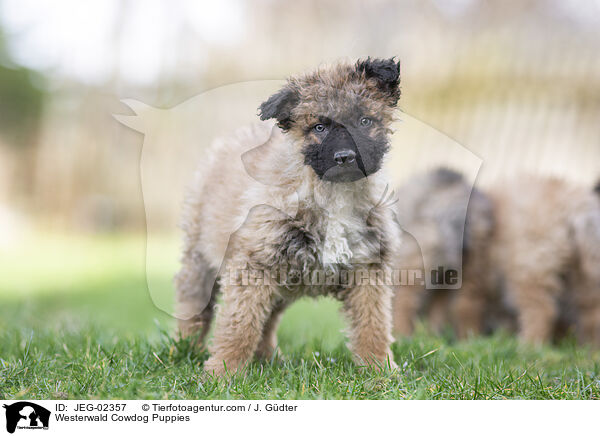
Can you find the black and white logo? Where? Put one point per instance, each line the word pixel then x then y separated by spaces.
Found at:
pixel 26 415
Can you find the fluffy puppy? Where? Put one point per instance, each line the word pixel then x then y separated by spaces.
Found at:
pixel 451 226
pixel 315 209
pixel 547 250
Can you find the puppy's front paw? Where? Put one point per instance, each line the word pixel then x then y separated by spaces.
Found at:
pixel 218 367
pixel 378 363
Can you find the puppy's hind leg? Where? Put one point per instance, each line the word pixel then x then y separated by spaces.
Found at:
pixel 467 313
pixel 588 326
pixel 587 276
pixel 537 311
pixel 586 288
pixel 469 303
pixel 268 343
pixel 196 292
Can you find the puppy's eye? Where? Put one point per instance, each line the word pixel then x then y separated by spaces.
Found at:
pixel 366 122
pixel 319 128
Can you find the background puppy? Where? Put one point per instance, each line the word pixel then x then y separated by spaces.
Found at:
pixel 453 225
pixel 324 157
pixel 547 249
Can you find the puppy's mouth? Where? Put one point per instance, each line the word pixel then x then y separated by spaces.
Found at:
pixel 344 173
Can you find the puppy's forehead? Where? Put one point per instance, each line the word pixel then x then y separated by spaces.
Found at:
pixel 341 104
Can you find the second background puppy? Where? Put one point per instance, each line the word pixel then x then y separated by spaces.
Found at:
pixel 447 225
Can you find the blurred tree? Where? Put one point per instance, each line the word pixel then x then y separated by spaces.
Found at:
pixel 21 100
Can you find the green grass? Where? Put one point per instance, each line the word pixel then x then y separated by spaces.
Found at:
pixel 76 321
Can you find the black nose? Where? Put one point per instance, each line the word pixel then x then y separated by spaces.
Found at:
pixel 344 156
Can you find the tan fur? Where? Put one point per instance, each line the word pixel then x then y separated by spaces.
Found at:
pixel 434 207
pixel 547 248
pixel 244 221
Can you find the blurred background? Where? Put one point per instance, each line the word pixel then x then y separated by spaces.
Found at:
pixel 515 82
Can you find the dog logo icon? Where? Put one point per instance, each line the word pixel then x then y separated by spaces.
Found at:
pixel 26 415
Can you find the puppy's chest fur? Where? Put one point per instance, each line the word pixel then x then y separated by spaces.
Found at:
pixel 321 246
pixel 347 239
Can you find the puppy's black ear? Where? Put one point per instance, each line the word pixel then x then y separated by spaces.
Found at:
pixel 387 74
pixel 279 106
